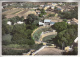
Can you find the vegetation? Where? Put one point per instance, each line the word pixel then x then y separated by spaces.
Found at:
pixel 60 26
pixel 47 38
pixel 69 14
pixel 17 39
pixel 17 36
pixel 37 34
pixel 51 15
pixel 6 39
pixel 6 29
pixel 21 35
pixel 42 13
pixel 66 36
pixel 15 49
pixel 65 20
pixel 32 19
pixel 3 16
pixel 16 19
pixel 13 52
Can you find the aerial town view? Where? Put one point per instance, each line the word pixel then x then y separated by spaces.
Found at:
pixel 40 28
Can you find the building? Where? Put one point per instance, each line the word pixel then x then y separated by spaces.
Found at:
pixel 41 24
pixel 73 21
pixel 19 22
pixel 54 4
pixel 46 7
pixel 9 23
pixel 38 11
pixel 46 22
pixel 41 5
pixel 52 7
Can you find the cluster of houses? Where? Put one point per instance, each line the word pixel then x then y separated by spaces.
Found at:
pixel 73 21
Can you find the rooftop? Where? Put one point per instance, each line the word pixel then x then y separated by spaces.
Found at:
pixel 47 20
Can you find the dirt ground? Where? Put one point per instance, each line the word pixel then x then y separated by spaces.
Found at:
pixel 50 51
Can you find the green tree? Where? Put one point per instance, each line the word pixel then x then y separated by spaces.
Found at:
pixel 32 19
pixel 42 13
pixel 6 29
pixel 60 26
pixel 22 35
pixel 69 14
pixel 67 36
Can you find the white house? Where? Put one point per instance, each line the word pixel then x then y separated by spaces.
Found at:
pixel 52 7
pixel 76 40
pixel 9 23
pixel 40 23
pixel 19 22
pixel 41 5
pixel 46 22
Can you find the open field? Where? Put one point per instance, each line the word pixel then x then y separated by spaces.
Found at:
pixel 18 12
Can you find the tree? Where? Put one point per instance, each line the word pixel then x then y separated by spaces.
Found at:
pixel 32 19
pixel 66 36
pixel 6 29
pixel 42 13
pixel 69 14
pixel 22 35
pixel 60 26
pixel 65 20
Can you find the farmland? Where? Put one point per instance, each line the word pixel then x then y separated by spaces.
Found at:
pixel 18 12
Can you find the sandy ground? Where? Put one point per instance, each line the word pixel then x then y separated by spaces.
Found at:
pixel 50 51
